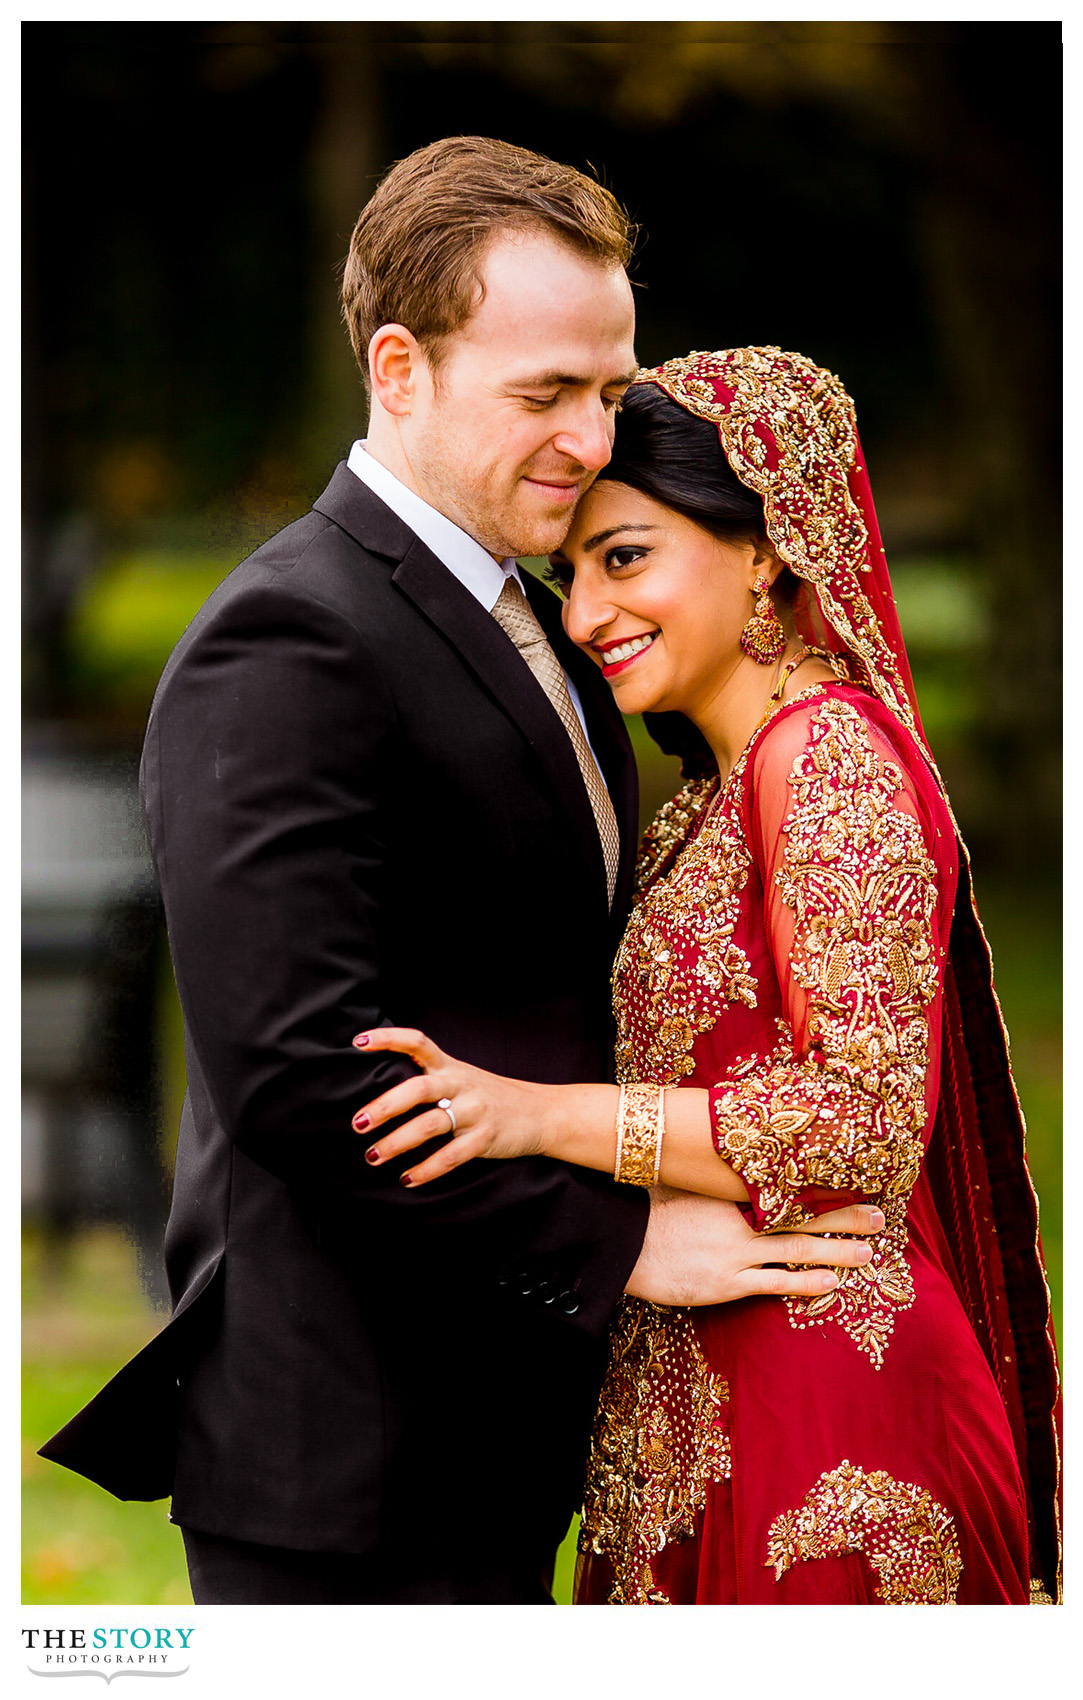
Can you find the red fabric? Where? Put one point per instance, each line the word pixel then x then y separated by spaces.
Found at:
pixel 921 1415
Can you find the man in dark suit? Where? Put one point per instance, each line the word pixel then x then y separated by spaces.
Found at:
pixel 365 808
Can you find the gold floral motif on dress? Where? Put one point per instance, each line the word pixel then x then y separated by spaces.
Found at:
pixel 849 1115
pixel 788 430
pixel 907 1538
pixel 678 964
pixel 658 1440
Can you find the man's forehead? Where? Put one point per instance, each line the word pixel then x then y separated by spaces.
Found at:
pixel 538 275
pixel 565 376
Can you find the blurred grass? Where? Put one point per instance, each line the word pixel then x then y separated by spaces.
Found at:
pixel 84 1314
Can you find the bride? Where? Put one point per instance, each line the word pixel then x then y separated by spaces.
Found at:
pixel 804 1019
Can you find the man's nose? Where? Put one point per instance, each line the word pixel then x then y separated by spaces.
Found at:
pixel 588 607
pixel 588 436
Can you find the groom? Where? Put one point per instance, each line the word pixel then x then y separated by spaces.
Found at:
pixel 382 787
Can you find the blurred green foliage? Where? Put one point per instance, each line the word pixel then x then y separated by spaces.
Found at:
pixel 130 617
pixel 84 1314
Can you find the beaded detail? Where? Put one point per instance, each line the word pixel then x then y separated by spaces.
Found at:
pixel 848 1115
pixel 659 1439
pixel 788 429
pixel 677 964
pixel 906 1537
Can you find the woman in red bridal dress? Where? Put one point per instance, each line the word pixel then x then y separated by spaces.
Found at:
pixel 805 1018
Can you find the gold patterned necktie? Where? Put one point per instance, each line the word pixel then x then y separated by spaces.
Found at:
pixel 514 613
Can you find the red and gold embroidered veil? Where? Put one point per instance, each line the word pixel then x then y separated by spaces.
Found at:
pixel 788 431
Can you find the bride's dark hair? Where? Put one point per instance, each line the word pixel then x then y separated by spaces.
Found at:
pixel 668 454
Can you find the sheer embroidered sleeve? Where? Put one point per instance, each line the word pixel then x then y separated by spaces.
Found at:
pixel 838 1110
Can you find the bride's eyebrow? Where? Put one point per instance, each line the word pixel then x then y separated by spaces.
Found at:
pixel 604 536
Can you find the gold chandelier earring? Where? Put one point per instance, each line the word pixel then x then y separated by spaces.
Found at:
pixel 763 638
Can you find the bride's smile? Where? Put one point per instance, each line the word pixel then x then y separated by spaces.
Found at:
pixel 617 655
pixel 660 602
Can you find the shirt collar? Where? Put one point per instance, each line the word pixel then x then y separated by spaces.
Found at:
pixel 472 565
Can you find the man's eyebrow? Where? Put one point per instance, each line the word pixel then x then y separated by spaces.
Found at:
pixel 565 380
pixel 604 536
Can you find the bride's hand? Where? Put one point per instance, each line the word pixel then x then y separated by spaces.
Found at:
pixel 489 1115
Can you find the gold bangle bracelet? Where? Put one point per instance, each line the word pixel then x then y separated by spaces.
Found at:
pixel 641 1124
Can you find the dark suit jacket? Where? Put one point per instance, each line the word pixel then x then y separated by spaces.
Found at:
pixel 363 810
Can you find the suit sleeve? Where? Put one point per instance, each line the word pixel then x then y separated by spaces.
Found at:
pixel 267 774
pixel 837 1112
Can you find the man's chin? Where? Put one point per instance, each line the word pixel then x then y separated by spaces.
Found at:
pixel 521 528
pixel 536 535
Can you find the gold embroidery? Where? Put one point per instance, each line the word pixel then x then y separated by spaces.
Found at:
pixel 657 1442
pixel 670 827
pixel 678 964
pixel 1039 1595
pixel 849 1116
pixel 788 430
pixel 908 1539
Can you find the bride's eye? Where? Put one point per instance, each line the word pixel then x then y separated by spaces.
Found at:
pixel 625 556
pixel 559 574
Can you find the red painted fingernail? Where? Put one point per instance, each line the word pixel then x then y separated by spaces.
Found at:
pixel 360 1039
pixel 406 1180
pixel 372 1155
pixel 360 1122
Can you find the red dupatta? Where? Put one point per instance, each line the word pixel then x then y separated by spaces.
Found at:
pixel 788 431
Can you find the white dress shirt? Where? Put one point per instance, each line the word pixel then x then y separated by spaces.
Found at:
pixel 472 565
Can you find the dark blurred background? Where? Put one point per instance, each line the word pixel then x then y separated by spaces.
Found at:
pixel 882 197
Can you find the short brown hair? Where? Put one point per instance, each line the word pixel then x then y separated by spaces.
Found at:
pixel 417 246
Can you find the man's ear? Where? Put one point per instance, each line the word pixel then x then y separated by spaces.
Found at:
pixel 394 358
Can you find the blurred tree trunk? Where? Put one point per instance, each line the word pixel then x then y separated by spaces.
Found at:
pixel 346 158
pixel 989 234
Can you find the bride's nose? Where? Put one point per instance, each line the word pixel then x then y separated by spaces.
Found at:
pixel 589 607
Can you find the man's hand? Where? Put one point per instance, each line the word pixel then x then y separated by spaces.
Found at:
pixel 702 1251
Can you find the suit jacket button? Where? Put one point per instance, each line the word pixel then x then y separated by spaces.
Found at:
pixel 547 1293
pixel 569 1304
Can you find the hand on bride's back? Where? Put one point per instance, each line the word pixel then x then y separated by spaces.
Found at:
pixel 701 1251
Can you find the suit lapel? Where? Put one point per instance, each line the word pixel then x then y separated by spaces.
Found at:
pixel 482 644
pixel 359 511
